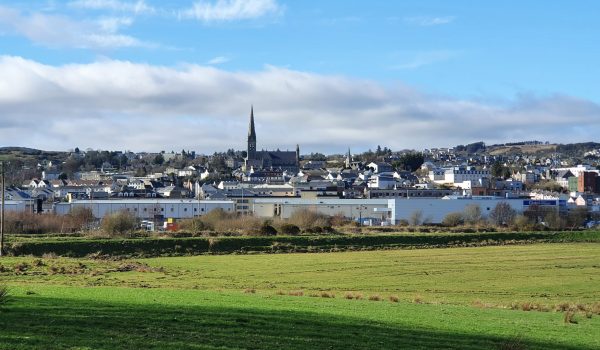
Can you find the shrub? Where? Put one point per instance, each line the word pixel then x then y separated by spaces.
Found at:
pixel 523 223
pixel 119 223
pixel 453 219
pixel 267 230
pixel 554 221
pixel 340 220
pixel 307 219
pixel 416 218
pixel 577 216
pixel 472 214
pixel 30 223
pixel 402 223
pixel 213 217
pixel 394 298
pixel 194 225
pixel 289 229
pixel 81 217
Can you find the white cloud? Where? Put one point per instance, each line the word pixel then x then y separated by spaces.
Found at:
pixel 114 24
pixel 230 10
pixel 426 21
pixel 419 59
pixel 218 60
pixel 61 31
pixel 123 105
pixel 137 7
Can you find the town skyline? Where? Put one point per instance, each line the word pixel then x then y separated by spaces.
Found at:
pixel 146 76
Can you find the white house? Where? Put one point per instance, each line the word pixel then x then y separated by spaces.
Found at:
pixel 382 181
pixel 380 167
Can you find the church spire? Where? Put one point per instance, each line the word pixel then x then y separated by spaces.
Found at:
pixel 251 131
pixel 348 159
pixel 251 150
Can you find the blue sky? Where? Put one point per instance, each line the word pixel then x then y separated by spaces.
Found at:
pixel 404 68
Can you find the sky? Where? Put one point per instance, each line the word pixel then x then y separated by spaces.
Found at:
pixel 149 75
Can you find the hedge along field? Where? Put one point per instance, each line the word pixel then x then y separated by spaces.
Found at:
pixel 548 274
pixel 222 245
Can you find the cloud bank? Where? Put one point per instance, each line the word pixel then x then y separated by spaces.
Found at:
pixel 137 7
pixel 61 31
pixel 122 105
pixel 427 21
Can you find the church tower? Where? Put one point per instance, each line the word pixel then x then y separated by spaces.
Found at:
pixel 251 136
pixel 348 159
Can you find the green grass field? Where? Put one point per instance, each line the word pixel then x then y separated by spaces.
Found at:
pixel 455 298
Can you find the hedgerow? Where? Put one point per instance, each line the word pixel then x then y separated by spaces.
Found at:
pixel 224 245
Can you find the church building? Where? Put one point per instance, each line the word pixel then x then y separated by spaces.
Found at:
pixel 269 160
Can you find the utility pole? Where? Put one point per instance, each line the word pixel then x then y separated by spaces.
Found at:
pixel 2 214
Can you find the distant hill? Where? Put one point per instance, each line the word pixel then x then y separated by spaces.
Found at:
pixel 523 149
pixel 22 150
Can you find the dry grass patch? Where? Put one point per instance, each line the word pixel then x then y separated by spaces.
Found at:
pixel 327 295
pixel 353 295
pixel 394 298
pixel 569 317
pixel 296 293
pixel 527 306
pixel 249 290
pixel 375 297
pixel 481 305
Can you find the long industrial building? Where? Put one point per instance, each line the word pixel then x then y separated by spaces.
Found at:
pixel 391 211
pixel 148 208
pixel 373 211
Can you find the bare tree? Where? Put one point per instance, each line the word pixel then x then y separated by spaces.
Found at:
pixel 416 218
pixel 502 214
pixel 472 214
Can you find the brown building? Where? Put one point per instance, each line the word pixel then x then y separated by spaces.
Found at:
pixel 587 182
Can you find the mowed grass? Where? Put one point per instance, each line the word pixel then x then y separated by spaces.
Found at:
pixel 58 317
pixel 452 298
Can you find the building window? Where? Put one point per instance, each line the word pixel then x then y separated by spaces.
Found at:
pixel 184 209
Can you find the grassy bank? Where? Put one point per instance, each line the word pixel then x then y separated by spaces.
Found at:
pixel 457 298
